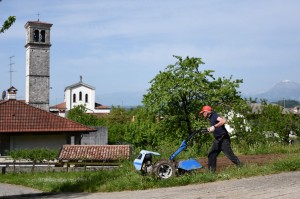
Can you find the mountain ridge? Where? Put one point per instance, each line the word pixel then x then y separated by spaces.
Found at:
pixel 284 90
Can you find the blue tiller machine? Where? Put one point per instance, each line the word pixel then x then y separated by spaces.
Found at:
pixel 167 168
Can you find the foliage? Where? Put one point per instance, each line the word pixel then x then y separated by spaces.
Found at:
pixel 288 103
pixel 34 155
pixel 177 94
pixel 263 123
pixel 78 114
pixel 37 154
pixel 143 130
pixel 117 123
pixel 171 108
pixel 237 119
pixel 272 124
pixel 7 24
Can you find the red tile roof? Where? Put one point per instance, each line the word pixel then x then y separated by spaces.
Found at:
pixel 95 152
pixel 102 107
pixel 59 106
pixel 64 106
pixel 19 117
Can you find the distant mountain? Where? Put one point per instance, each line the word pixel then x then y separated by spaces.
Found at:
pixel 283 90
pixel 286 89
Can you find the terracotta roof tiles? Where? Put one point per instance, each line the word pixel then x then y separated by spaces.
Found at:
pixel 19 117
pixel 59 106
pixel 95 152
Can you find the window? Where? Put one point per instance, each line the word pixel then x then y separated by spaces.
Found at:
pixel 80 96
pixel 74 97
pixel 36 35
pixel 43 34
pixel 86 98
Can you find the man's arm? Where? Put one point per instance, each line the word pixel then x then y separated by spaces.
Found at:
pixel 221 121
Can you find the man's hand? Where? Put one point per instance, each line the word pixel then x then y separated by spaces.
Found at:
pixel 211 129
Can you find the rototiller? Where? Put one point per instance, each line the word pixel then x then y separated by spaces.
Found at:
pixel 167 168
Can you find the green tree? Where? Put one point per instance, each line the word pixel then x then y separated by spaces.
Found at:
pixel 7 24
pixel 142 129
pixel 239 121
pixel 117 122
pixel 78 114
pixel 276 124
pixel 288 103
pixel 177 94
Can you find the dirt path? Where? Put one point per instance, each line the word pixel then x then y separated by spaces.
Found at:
pixel 223 162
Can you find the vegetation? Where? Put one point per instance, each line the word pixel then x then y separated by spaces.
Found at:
pixel 7 23
pixel 171 108
pixel 288 103
pixel 126 178
pixel 78 114
pixel 177 94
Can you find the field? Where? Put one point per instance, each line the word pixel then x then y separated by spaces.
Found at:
pixel 275 160
pixel 223 162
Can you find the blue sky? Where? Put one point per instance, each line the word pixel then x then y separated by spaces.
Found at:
pixel 118 46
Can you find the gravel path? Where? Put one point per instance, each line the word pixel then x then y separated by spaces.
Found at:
pixel 284 185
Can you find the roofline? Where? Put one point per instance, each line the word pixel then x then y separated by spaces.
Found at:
pixel 48 131
pixel 79 84
pixel 37 22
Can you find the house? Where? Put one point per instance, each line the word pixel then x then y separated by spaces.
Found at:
pixel 25 126
pixel 77 94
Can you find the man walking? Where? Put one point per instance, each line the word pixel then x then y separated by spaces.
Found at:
pixel 222 139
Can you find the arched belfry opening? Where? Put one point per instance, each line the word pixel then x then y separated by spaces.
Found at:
pixel 36 35
pixel 39 36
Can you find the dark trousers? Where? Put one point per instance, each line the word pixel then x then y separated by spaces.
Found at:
pixel 216 148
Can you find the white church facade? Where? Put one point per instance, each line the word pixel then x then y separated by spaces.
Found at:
pixel 80 94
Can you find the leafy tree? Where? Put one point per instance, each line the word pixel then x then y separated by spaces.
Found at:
pixel 117 123
pixel 142 129
pixel 288 103
pixel 239 121
pixel 177 94
pixel 7 23
pixel 78 114
pixel 275 123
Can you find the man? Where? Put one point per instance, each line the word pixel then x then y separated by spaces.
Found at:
pixel 222 139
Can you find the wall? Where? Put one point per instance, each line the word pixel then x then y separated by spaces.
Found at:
pixel 100 137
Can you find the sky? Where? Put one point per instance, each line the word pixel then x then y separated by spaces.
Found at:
pixel 118 46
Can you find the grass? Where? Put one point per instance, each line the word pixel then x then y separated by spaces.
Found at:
pixel 127 178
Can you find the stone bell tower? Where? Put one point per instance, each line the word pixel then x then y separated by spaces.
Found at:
pixel 38 64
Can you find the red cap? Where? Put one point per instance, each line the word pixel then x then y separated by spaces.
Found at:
pixel 206 108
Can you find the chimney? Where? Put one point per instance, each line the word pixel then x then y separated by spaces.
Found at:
pixel 12 93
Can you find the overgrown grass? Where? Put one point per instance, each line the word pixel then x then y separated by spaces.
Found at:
pixel 127 178
pixel 269 148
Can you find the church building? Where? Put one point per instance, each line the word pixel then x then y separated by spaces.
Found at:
pixel 81 93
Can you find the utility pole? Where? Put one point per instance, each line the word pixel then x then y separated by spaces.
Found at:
pixel 10 69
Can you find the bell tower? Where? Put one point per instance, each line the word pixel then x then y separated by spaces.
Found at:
pixel 38 64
